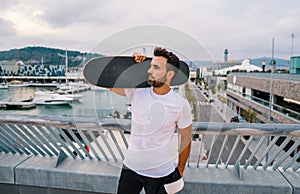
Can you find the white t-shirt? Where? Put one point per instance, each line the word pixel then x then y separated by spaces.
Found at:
pixel 154 121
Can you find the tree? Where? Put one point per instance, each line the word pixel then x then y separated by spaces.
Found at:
pixel 192 100
pixel 213 89
pixel 219 86
pixel 205 85
pixel 249 115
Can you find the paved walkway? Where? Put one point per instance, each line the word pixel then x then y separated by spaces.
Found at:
pixel 225 112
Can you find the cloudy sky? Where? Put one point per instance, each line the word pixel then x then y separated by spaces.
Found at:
pixel 245 27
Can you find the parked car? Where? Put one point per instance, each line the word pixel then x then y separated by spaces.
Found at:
pixel 234 119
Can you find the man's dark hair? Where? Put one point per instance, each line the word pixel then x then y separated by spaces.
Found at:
pixel 171 58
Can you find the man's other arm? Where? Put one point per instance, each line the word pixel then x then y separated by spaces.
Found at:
pixel 185 147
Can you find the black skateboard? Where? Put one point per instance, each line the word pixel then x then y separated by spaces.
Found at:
pixel 124 72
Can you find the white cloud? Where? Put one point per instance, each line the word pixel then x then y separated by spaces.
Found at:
pixel 6 28
pixel 245 27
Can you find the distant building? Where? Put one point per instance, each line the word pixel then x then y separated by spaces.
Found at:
pixel 226 52
pixel 295 65
pixel 245 66
pixel 252 91
pixel 217 65
pixel 221 65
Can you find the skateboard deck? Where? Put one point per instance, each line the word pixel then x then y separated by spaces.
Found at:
pixel 124 72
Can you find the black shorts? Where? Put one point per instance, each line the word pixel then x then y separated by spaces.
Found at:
pixel 131 182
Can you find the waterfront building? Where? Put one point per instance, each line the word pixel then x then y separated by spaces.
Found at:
pixel 252 91
pixel 295 65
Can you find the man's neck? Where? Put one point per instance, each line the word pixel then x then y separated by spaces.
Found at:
pixel 162 90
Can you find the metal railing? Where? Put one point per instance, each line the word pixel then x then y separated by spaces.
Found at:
pixel 53 136
pixel 249 144
pixel 221 144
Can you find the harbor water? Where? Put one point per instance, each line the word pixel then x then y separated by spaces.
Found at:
pixel 94 103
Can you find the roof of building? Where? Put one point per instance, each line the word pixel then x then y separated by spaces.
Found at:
pixel 244 66
pixel 266 75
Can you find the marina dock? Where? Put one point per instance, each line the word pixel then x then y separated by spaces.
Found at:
pixel 47 80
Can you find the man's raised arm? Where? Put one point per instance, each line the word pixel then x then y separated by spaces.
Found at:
pixel 120 91
pixel 139 57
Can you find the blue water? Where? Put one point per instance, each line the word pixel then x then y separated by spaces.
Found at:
pixel 91 102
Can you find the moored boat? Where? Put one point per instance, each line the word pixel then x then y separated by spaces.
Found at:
pixel 73 87
pixel 20 105
pixel 51 93
pixel 17 83
pixel 44 98
pixel 3 85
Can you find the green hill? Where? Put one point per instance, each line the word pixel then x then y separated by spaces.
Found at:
pixel 51 56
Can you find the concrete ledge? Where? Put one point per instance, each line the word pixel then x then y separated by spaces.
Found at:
pixel 7 165
pixel 91 176
pixel 23 189
pixel 37 174
pixel 293 178
pixel 212 180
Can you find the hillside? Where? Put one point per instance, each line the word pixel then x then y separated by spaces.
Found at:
pixel 280 63
pixel 51 56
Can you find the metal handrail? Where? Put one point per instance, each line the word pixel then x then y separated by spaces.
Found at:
pixel 246 143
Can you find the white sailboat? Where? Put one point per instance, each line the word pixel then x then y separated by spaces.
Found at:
pixel 70 87
pixel 65 86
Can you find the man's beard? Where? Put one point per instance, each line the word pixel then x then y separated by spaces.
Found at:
pixel 157 83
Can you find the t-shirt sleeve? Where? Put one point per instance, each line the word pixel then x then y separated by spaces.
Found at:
pixel 185 117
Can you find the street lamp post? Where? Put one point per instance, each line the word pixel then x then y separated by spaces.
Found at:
pixel 263 65
pixel 272 64
pixel 292 50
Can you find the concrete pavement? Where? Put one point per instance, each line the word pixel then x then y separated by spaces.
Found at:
pixel 223 110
